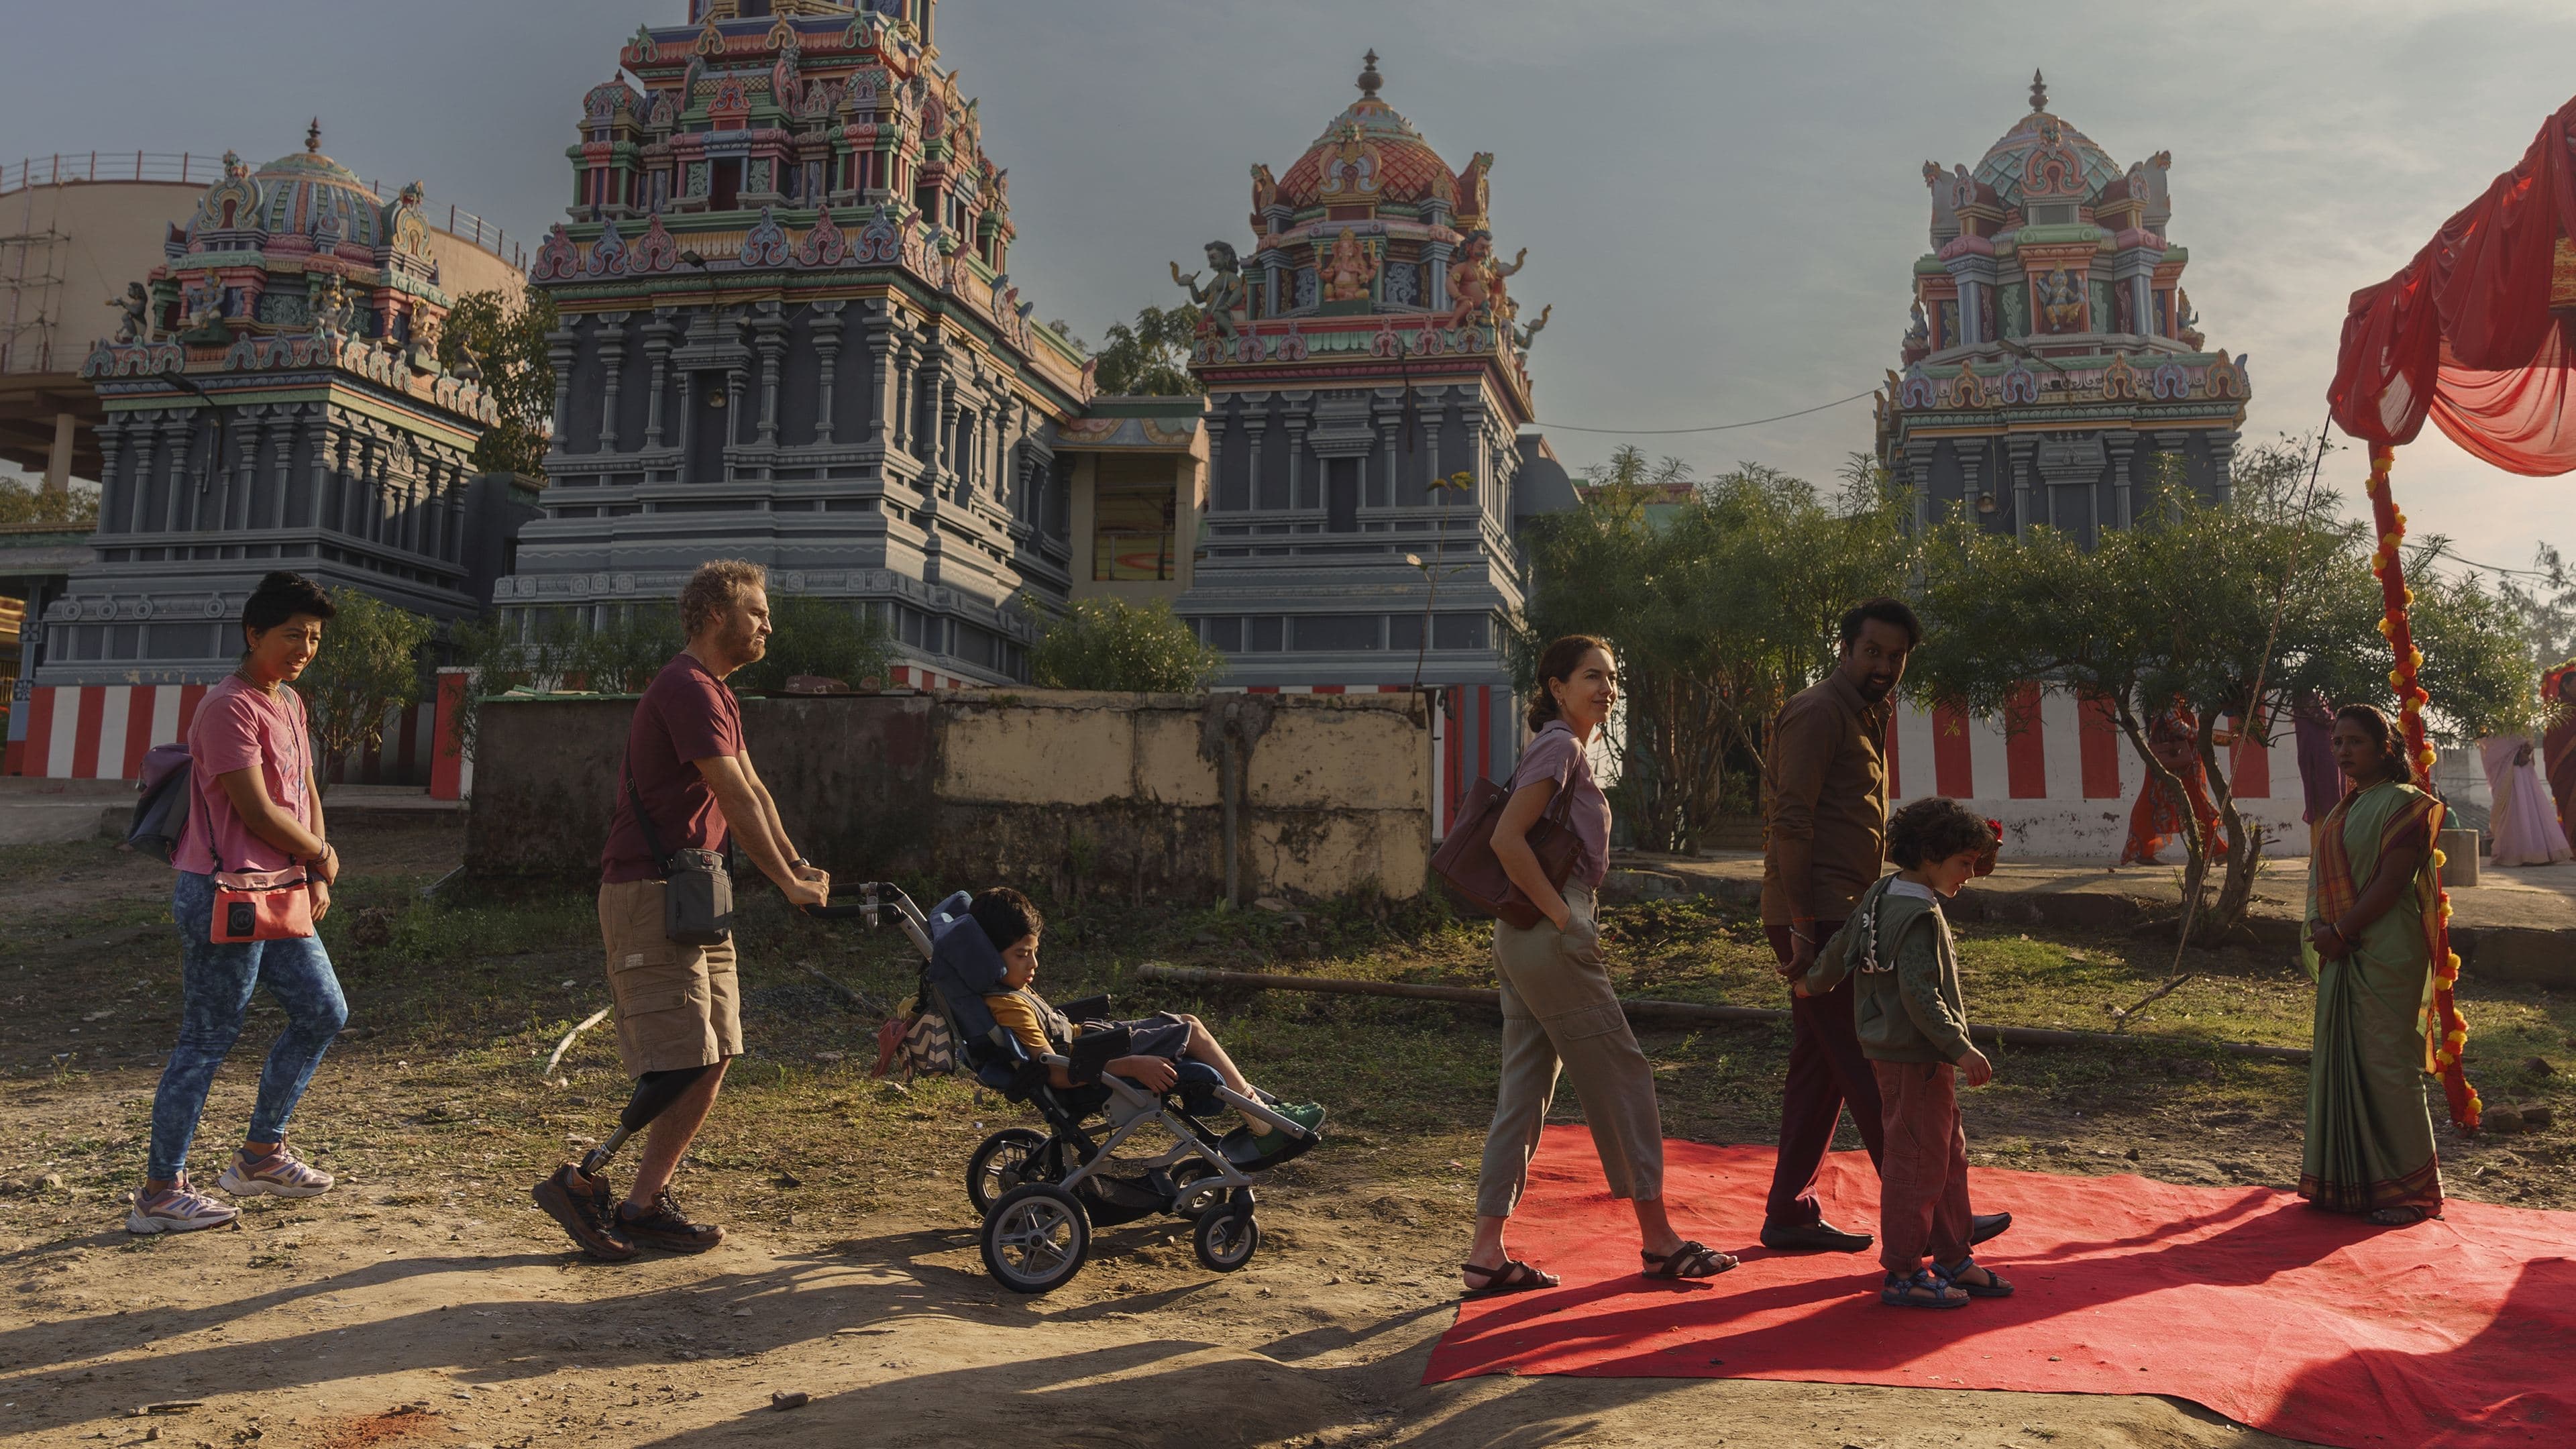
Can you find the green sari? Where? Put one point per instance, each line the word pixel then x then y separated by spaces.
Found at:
pixel 2370 1139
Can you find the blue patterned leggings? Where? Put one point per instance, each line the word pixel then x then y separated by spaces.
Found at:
pixel 215 986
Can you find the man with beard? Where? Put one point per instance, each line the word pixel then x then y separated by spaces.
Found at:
pixel 1825 840
pixel 678 1006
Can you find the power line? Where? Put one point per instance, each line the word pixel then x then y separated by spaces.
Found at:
pixel 1712 428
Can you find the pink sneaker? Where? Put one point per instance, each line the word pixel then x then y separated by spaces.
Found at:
pixel 177 1208
pixel 279 1174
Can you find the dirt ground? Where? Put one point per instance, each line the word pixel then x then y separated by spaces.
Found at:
pixel 425 1301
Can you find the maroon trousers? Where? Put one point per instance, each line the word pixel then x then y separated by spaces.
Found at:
pixel 1923 1179
pixel 1826 1071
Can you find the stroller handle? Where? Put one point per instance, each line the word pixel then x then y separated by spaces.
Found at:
pixel 850 912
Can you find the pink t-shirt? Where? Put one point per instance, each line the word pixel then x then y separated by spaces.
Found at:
pixel 1555 754
pixel 239 726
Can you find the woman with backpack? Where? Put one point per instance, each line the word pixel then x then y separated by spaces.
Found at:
pixel 254 876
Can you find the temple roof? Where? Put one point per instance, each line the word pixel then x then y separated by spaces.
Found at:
pixel 1368 153
pixel 303 188
pixel 2020 156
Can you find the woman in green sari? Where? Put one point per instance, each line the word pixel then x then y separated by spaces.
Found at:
pixel 2372 893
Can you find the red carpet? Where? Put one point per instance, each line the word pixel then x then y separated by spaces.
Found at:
pixel 2310 1325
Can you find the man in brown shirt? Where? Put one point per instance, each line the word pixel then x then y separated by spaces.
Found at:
pixel 1825 838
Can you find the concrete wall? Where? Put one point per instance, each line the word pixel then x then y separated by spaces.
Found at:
pixel 1069 791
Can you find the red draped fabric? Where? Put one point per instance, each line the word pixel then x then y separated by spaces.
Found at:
pixel 2465 333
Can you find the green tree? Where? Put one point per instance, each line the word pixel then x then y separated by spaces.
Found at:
pixel 23 503
pixel 2231 610
pixel 1150 357
pixel 826 638
pixel 1721 605
pixel 505 338
pixel 368 668
pixel 1111 644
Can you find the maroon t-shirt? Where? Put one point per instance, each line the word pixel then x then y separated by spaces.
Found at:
pixel 686 715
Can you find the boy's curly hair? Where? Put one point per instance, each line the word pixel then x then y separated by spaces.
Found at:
pixel 1008 917
pixel 1935 828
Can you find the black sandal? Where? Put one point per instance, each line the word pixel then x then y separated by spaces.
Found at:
pixel 1514 1276
pixel 2396 1217
pixel 1994 1287
pixel 1690 1260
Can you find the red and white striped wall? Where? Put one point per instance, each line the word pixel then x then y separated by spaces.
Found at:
pixel 103 731
pixel 2065 788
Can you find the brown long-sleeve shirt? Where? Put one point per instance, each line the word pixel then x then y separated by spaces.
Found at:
pixel 1824 804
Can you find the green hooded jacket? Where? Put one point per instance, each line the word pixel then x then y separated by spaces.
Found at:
pixel 1907 1004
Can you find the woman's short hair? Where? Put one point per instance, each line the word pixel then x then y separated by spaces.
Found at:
pixel 280 597
pixel 2382 732
pixel 1935 828
pixel 714 588
pixel 1008 917
pixel 1558 661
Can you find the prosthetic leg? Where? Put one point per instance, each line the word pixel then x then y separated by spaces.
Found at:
pixel 579 1197
pixel 654 1094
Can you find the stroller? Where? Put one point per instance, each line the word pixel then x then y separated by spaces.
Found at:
pixel 1042 1193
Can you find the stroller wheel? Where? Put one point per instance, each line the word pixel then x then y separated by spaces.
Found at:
pixel 1227 1237
pixel 1035 1238
pixel 1182 1178
pixel 1006 1159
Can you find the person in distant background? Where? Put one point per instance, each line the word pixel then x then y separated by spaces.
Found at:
pixel 2320 783
pixel 2558 746
pixel 2159 817
pixel 254 808
pixel 2523 820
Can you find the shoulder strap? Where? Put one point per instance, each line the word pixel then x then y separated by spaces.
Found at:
pixel 643 817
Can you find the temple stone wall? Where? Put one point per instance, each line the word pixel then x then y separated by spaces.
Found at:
pixel 1072 792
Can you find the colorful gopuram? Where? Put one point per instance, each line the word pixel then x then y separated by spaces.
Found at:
pixel 273 398
pixel 2053 356
pixel 1368 410
pixel 789 334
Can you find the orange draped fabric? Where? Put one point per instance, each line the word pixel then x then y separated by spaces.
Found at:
pixel 2465 334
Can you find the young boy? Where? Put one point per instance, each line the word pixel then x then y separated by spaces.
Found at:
pixel 1157 1043
pixel 1913 1027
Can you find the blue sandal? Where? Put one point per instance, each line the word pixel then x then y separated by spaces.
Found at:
pixel 1899 1291
pixel 1993 1287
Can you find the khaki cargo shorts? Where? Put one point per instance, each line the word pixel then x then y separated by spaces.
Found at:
pixel 677 1006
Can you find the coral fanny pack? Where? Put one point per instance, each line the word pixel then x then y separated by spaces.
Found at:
pixel 262 905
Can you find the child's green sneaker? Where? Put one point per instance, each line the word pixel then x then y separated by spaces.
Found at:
pixel 1307 1115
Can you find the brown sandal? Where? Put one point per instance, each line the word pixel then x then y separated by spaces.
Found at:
pixel 1690 1260
pixel 1514 1276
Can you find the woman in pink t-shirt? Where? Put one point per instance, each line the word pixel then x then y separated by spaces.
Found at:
pixel 254 806
pixel 1561 1014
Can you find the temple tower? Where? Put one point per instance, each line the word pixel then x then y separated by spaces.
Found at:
pixel 1371 452
pixel 273 399
pixel 2053 354
pixel 789 334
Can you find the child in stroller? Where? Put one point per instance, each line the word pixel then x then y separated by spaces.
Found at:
pixel 1042 1193
pixel 1164 1050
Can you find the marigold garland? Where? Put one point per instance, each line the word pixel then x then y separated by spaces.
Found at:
pixel 2447 1032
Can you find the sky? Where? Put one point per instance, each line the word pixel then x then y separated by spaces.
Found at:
pixel 1722 200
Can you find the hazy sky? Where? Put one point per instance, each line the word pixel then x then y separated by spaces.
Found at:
pixel 1722 200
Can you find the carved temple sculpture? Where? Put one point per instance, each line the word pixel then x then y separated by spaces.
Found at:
pixel 789 335
pixel 1374 404
pixel 2050 373
pixel 1225 302
pixel 261 414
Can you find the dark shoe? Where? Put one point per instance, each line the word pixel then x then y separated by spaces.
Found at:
pixel 1983 1226
pixel 1815 1237
pixel 583 1205
pixel 667 1228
